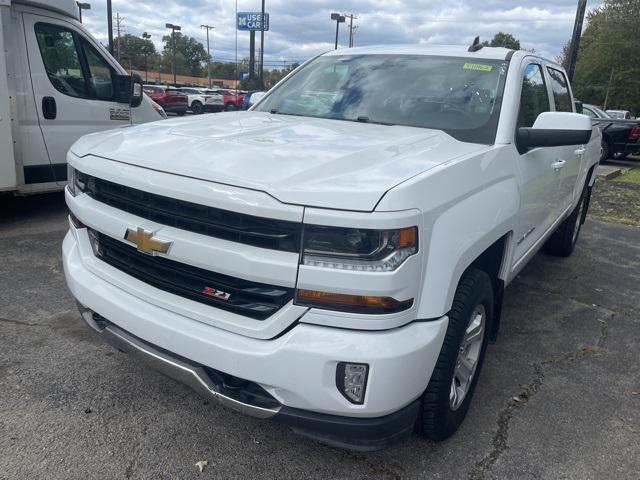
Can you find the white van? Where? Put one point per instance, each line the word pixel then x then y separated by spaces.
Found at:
pixel 57 83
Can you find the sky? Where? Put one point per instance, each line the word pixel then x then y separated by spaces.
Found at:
pixel 300 29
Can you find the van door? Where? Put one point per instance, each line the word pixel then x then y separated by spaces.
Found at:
pixel 571 156
pixel 539 179
pixel 73 85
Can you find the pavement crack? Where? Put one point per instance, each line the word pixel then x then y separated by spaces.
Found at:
pixel 499 441
pixel 18 322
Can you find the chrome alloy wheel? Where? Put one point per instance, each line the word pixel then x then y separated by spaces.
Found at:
pixel 468 356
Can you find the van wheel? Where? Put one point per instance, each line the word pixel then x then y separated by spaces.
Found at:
pixel 197 108
pixel 447 398
pixel 564 239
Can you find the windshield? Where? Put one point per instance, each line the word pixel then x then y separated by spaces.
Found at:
pixel 457 95
pixel 601 113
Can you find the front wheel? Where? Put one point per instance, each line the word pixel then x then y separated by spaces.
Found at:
pixel 230 107
pixel 606 150
pixel 447 398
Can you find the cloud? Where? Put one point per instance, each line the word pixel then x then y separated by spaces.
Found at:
pixel 301 29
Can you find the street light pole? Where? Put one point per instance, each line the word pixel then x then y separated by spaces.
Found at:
pixel 262 48
pixel 208 27
pixel 82 6
pixel 339 19
pixel 173 28
pixel 110 25
pixel 146 36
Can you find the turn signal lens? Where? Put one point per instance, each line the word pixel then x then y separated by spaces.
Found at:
pixel 351 303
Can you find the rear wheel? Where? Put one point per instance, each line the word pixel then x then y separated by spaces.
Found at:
pixel 447 398
pixel 197 108
pixel 564 239
pixel 230 107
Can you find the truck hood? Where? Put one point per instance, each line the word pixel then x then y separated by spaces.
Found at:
pixel 298 160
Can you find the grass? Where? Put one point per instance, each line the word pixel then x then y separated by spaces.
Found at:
pixel 617 200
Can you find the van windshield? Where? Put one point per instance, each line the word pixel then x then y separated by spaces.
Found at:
pixel 460 96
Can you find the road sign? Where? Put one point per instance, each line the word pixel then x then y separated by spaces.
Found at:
pixel 252 21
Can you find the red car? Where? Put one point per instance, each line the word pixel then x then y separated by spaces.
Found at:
pixel 170 99
pixel 232 100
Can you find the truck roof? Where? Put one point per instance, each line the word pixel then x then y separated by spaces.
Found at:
pixel 67 8
pixel 489 53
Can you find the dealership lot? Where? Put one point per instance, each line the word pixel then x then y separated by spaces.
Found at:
pixel 559 396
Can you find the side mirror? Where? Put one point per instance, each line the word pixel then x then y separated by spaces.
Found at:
pixel 122 88
pixel 555 129
pixel 137 90
pixel 578 105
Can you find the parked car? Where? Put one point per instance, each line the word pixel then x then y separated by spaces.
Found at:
pixel 49 97
pixel 620 114
pixel 170 99
pixel 336 258
pixel 214 101
pixel 252 98
pixel 620 138
pixel 196 99
pixel 232 100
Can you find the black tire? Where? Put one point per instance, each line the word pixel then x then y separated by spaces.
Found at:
pixel 197 108
pixel 564 239
pixel 230 107
pixel 606 150
pixel 438 418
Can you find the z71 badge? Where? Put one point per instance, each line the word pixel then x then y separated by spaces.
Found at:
pixel 119 114
pixel 212 292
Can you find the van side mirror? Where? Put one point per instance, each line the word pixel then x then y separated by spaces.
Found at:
pixel 578 105
pixel 122 88
pixel 137 91
pixel 555 129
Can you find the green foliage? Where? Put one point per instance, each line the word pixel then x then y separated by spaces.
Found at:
pixel 191 56
pixel 505 40
pixel 609 56
pixel 137 53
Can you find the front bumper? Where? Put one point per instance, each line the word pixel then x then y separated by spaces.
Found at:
pixel 297 368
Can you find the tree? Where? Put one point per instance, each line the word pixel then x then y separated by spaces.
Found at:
pixel 137 53
pixel 607 57
pixel 191 56
pixel 505 40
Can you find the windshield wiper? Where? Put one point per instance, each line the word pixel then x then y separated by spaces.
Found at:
pixel 365 119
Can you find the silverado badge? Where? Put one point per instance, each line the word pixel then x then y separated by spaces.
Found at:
pixel 143 239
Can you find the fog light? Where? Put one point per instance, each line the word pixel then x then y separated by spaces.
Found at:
pixel 351 380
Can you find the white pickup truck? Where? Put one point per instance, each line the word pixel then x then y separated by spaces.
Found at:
pixel 336 257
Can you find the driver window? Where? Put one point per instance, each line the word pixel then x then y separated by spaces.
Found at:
pixel 60 57
pixel 534 98
pixel 99 73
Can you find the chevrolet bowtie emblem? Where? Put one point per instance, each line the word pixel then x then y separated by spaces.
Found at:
pixel 145 242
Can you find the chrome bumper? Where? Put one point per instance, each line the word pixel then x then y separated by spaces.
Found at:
pixel 182 370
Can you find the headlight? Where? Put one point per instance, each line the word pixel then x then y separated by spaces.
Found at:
pixel 76 181
pixel 358 249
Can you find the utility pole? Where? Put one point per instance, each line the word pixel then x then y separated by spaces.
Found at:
pixel 351 18
pixel 208 27
pixel 110 25
pixel 338 19
pixel 606 98
pixel 262 48
pixel 575 39
pixel 119 21
pixel 173 28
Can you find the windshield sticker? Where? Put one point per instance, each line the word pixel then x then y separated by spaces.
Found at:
pixel 477 66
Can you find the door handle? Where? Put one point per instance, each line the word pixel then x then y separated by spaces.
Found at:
pixel 580 151
pixel 558 165
pixel 49 108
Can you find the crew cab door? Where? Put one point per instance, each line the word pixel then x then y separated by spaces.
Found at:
pixel 73 85
pixel 539 177
pixel 569 158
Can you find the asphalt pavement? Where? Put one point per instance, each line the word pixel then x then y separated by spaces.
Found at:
pixel 559 395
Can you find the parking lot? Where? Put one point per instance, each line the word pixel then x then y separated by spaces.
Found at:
pixel 559 396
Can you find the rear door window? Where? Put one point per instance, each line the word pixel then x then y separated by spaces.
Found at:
pixel 61 60
pixel 534 98
pixel 561 96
